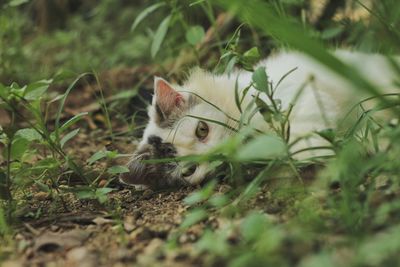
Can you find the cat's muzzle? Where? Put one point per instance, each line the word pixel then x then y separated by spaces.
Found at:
pixel 149 174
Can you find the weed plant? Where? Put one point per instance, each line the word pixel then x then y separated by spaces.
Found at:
pixel 350 208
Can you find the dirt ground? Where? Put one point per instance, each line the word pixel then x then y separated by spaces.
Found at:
pixel 133 228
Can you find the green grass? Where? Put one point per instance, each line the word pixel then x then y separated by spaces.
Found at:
pixel 351 207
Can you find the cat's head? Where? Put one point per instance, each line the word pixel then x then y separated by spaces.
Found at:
pixel 181 124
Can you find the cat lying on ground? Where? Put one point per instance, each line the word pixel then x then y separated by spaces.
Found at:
pixel 320 99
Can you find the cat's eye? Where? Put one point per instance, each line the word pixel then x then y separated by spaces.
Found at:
pixel 202 130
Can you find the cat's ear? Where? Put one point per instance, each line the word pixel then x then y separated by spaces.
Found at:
pixel 166 98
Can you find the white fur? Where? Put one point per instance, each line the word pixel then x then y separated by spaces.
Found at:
pixel 320 105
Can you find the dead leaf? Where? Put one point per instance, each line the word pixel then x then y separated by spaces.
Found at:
pixel 50 241
pixel 102 221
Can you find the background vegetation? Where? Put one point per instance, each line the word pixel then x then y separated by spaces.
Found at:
pixel 73 71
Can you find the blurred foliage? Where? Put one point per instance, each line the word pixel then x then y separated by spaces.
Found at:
pixel 96 36
pixel 338 214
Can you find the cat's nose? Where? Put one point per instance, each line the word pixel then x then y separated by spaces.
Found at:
pixel 161 149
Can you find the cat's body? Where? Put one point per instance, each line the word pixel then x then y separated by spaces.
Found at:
pixel 176 127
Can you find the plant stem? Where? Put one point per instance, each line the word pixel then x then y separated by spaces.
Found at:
pixel 8 178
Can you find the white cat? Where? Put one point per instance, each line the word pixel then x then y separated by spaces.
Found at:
pixel 176 127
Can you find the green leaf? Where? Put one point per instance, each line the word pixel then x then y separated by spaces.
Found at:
pixel 97 156
pixel 104 190
pixel 3 222
pixel 4 91
pixel 218 201
pixel 144 14
pixel 68 137
pixel 322 259
pixel 214 243
pixel 194 217
pixel 15 3
pixel 160 35
pixel 117 169
pixel 264 109
pixel 195 34
pixel 35 90
pixel 262 147
pixel 231 64
pixel 28 134
pixel 250 58
pixel 18 148
pixel 72 121
pixel 253 225
pixel 331 33
pixel 125 94
pixel 327 134
pixel 252 54
pixel 45 164
pixel 85 193
pixel 62 75
pixel 62 103
pixel 200 195
pixel 101 194
pixel 260 80
pixel 42 186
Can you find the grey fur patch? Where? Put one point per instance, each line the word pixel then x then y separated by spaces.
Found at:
pixel 155 175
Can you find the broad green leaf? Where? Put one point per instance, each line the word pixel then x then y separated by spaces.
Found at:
pixel 327 134
pixel 35 90
pixel 262 147
pixel 102 198
pixel 117 169
pixel 195 35
pixel 213 242
pixel 379 248
pixel 218 200
pixel 28 134
pixel 250 58
pixel 72 121
pixel 194 217
pixel 101 194
pixel 318 260
pixel 4 91
pixel 85 193
pixel 15 3
pixel 253 225
pixel 260 80
pixel 145 13
pixel 97 156
pixel 17 90
pixel 18 148
pixel 104 190
pixel 201 194
pixel 62 75
pixel 68 137
pixel 160 35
